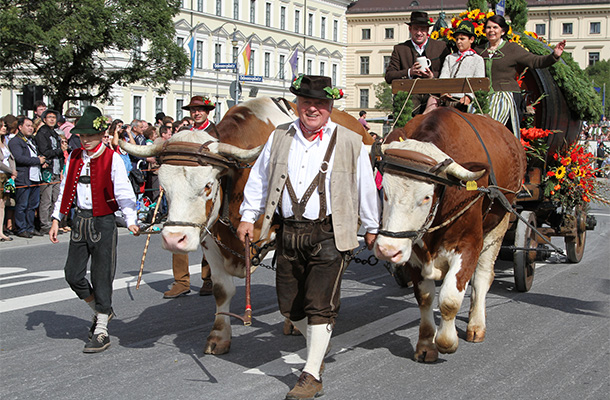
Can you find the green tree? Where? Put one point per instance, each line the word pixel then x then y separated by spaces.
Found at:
pixel 79 50
pixel 516 11
pixel 474 4
pixel 600 75
pixel 383 92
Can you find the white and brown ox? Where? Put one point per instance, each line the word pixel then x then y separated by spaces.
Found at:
pixel 195 195
pixel 448 236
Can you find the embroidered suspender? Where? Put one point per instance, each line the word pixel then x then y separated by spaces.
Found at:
pixel 319 181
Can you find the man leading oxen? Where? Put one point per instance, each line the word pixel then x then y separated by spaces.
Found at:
pixel 314 179
pixel 443 230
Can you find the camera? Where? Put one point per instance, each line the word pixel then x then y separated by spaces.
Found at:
pixel 125 126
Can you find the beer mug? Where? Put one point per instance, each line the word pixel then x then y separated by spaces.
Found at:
pixel 424 63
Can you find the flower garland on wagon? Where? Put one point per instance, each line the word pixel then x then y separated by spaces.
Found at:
pixel 570 179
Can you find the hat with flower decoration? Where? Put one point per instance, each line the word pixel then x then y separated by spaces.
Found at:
pixel 91 123
pixel 420 18
pixel 465 28
pixel 315 87
pixel 200 101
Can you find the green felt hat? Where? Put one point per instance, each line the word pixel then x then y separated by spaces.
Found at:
pixel 91 123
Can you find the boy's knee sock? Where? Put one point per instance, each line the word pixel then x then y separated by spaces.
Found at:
pixel 318 339
pixel 101 325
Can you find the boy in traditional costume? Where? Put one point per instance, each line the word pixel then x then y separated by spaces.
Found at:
pixel 96 185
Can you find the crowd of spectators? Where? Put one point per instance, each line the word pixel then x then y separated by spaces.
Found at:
pixel 33 153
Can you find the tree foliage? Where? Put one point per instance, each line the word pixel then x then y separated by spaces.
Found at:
pixel 79 50
pixel 515 10
pixel 403 109
pixel 600 75
pixel 383 92
pixel 477 4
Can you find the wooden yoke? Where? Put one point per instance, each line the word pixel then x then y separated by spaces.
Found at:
pixel 439 86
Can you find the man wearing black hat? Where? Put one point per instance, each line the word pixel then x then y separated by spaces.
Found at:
pixel 49 144
pixel 199 107
pixel 314 179
pixel 403 62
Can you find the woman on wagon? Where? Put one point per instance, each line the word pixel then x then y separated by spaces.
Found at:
pixel 501 60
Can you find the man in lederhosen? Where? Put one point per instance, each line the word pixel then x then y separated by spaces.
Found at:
pixel 314 178
pixel 199 108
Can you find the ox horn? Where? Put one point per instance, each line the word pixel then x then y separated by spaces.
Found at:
pixel 462 173
pixel 141 151
pixel 239 153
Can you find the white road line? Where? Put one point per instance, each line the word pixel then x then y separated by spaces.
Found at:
pixel 291 363
pixel 54 296
pixel 38 277
pixel 11 270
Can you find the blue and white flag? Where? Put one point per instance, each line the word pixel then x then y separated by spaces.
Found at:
pixel 193 52
pixel 294 60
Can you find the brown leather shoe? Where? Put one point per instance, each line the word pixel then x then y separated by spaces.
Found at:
pixel 306 388
pixel 206 288
pixel 176 290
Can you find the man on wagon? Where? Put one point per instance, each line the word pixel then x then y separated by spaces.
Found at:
pixel 314 179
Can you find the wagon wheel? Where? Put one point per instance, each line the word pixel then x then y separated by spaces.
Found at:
pixel 575 245
pixel 525 261
pixel 402 276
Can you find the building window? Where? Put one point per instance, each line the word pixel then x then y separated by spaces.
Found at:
pixel 389 33
pixel 593 58
pixel 20 110
pixel 567 28
pixel 309 66
pixel 322 68
pixel 310 25
pixel 267 14
pixel 386 62
pixel 137 107
pixel 267 64
pixel 335 30
pixel 199 61
pixel 251 65
pixel 179 113
pixel 366 34
pixel 218 7
pixel 364 65
pixel 236 9
pixel 158 105
pixel 252 12
pixel 217 51
pixel 540 29
pixel 283 18
pixel 282 61
pixel 333 75
pixel 364 98
pixel 297 20
pixel 595 28
pixel 200 5
pixel 180 41
pixel 323 28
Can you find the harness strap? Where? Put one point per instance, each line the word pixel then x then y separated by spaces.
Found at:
pixel 492 176
pixel 319 181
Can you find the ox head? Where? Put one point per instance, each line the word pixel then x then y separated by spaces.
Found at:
pixel 409 202
pixel 192 191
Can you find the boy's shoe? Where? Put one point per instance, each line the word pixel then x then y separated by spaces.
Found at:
pixel 92 328
pixel 306 388
pixel 176 290
pixel 97 344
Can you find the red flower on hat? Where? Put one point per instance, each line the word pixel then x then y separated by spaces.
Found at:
pixel 341 92
pixel 206 102
pixel 431 19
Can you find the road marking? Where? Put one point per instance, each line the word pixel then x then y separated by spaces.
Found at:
pixel 54 296
pixel 291 363
pixel 11 270
pixel 38 277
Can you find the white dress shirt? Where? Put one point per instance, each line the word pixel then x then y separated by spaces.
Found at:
pixel 123 192
pixel 303 155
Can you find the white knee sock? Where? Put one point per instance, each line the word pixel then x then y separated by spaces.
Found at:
pixel 318 339
pixel 102 324
pixel 302 326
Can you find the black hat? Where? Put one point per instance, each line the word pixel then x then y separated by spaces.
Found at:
pixel 200 101
pixel 48 111
pixel 420 18
pixel 91 123
pixel 315 87
pixel 465 28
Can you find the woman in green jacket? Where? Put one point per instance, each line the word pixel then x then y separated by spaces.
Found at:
pixel 501 60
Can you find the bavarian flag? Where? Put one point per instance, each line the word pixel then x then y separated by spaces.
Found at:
pixel 246 55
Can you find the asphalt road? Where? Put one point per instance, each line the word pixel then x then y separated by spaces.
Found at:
pixel 549 343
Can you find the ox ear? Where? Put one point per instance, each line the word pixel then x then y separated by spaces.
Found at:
pixel 238 153
pixel 141 151
pixel 468 172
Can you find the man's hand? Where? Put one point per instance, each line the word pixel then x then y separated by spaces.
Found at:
pixel 369 239
pixel 416 72
pixel 465 100
pixel 53 231
pixel 558 50
pixel 42 159
pixel 135 229
pixel 245 228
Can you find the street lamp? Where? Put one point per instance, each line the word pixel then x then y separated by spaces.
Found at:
pixel 234 43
